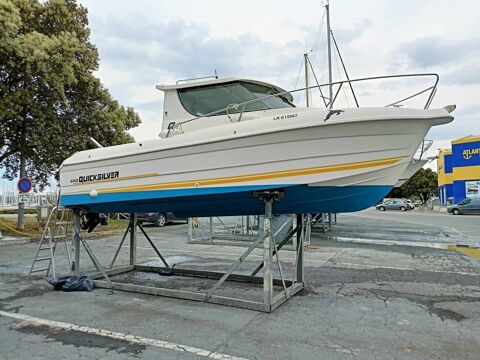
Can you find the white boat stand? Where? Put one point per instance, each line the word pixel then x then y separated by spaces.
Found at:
pixel 270 301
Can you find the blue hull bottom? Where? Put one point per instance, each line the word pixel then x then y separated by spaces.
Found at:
pixel 234 200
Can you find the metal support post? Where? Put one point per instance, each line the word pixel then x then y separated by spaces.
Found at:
pixel 76 242
pixel 77 239
pixel 267 253
pixel 96 263
pixel 120 245
pixel 152 245
pixel 308 231
pixel 210 236
pixel 133 239
pixel 223 224
pixel 299 271
pixel 21 204
pixel 299 227
pixel 294 227
pixel 190 229
pixel 279 264
pixel 284 241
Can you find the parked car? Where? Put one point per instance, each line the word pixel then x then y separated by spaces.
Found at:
pixel 467 206
pixel 393 204
pixel 158 219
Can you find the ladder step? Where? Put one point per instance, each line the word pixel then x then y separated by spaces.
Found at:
pixel 54 237
pixel 63 222
pixel 38 270
pixel 45 248
pixel 42 259
pixel 47 245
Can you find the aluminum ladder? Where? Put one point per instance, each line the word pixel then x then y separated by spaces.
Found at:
pixel 58 221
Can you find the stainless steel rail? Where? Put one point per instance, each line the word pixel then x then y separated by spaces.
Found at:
pixel 426 144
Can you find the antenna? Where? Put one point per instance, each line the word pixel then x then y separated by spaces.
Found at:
pixel 215 76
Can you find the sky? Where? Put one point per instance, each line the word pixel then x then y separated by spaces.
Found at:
pixel 143 43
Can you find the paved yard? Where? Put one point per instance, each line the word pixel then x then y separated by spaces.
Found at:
pixel 362 301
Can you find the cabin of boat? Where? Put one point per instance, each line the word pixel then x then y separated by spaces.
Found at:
pixel 211 98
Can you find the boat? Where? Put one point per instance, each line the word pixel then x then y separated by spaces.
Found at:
pixel 224 139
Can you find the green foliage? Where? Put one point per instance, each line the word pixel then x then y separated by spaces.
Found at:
pixel 50 101
pixel 422 185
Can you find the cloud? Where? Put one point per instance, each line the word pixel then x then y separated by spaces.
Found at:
pixel 467 74
pixel 137 53
pixel 427 52
pixel 465 123
pixel 348 35
pixel 185 49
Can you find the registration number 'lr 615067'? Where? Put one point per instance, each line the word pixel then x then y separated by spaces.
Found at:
pixel 282 117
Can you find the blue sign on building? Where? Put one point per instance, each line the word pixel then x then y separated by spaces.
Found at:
pixel 459 172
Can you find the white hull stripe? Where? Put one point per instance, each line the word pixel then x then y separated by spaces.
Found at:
pixel 121 336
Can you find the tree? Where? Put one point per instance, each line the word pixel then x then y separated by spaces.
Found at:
pixel 422 185
pixel 50 101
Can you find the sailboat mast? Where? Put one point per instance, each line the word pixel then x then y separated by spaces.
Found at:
pixel 329 49
pixel 307 92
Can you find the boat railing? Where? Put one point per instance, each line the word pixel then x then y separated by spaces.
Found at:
pixel 423 148
pixel 431 90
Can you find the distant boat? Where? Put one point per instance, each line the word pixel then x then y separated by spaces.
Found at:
pixel 222 139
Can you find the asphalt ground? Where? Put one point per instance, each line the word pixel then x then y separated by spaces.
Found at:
pixel 363 300
pixel 455 228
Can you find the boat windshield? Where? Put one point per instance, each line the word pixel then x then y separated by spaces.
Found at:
pixel 203 100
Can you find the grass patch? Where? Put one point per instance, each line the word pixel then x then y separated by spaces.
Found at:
pixel 113 225
pixel 14 211
pixel 8 226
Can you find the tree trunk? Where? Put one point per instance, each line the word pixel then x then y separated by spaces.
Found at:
pixel 21 205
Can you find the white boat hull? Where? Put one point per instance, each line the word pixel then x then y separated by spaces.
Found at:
pixel 340 163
